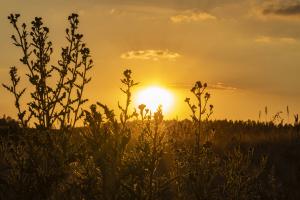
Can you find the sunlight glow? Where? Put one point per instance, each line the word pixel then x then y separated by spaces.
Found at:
pixel 154 96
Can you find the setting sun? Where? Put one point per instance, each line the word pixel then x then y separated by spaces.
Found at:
pixel 154 96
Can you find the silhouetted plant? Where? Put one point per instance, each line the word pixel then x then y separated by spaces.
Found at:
pixel 242 179
pixel 199 109
pixel 296 119
pixel 266 113
pixel 50 104
pixel 128 84
pixel 288 114
pixel 147 178
pixel 277 118
pixel 107 140
pixel 15 79
pixel 297 125
pixel 39 165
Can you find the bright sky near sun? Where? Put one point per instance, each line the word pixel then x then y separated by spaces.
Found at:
pixel 153 97
pixel 248 51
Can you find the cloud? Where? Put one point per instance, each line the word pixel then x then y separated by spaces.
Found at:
pixel 150 54
pixel 133 10
pixel 192 16
pixel 287 40
pixel 170 4
pixel 211 86
pixel 263 39
pixel 283 8
pixel 115 11
pixel 221 86
pixel 269 40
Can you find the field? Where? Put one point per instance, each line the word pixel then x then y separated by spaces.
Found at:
pixel 151 160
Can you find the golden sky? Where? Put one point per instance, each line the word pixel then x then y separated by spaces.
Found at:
pixel 248 51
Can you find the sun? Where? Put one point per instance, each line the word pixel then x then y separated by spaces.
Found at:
pixel 154 96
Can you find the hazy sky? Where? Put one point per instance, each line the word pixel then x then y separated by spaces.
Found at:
pixel 247 50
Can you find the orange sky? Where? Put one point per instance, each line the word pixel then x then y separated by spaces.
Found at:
pixel 247 50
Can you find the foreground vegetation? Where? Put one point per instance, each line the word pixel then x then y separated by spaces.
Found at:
pixel 150 159
pixel 137 154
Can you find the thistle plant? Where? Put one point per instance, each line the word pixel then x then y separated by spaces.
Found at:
pixel 61 102
pixel 143 112
pixel 15 79
pixel 146 179
pixel 128 85
pixel 107 138
pixel 200 109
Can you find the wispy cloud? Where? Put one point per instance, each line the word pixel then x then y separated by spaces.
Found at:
pixel 150 54
pixel 262 39
pixel 222 86
pixel 115 11
pixel 270 40
pixel 212 86
pixel 169 4
pixel 192 16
